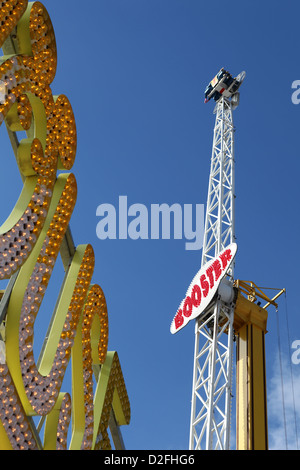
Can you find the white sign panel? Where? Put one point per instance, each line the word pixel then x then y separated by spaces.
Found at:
pixel 203 288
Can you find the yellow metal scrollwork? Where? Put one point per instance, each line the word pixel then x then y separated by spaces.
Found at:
pixel 30 242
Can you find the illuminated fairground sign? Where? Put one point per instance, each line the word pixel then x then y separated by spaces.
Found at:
pixel 203 288
pixel 30 241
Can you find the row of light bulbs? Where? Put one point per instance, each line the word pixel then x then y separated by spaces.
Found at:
pixel 25 77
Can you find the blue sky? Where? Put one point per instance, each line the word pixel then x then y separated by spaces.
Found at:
pixel 135 73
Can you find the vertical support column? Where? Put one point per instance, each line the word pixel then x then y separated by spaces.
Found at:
pixel 210 413
pixel 252 426
pixel 219 221
pixel 228 393
pixel 211 381
pixel 211 395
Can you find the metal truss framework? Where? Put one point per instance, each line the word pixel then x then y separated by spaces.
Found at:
pixel 211 396
pixel 219 223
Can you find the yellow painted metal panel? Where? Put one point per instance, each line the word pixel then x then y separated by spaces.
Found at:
pixel 242 390
pixel 110 393
pixel 16 301
pixel 259 390
pixel 4 441
pixel 251 377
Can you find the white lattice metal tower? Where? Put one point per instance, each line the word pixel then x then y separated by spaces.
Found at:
pixel 211 396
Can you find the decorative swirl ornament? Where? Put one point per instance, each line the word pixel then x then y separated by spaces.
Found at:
pixel 30 241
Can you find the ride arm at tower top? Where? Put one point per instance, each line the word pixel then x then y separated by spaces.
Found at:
pixel 223 84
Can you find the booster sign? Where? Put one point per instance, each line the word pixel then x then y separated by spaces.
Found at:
pixel 203 288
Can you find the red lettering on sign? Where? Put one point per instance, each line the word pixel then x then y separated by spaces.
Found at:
pixel 225 258
pixel 196 295
pixel 217 268
pixel 204 285
pixel 210 274
pixel 178 319
pixel 203 288
pixel 187 307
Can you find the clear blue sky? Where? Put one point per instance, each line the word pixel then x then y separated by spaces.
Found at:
pixel 135 72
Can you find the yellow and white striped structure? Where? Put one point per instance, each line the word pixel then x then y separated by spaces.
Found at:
pixel 31 239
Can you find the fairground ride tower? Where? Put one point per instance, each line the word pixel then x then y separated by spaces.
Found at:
pixel 231 315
